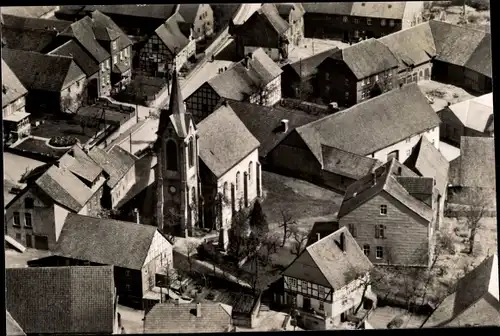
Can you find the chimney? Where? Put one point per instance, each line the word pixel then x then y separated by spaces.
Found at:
pixel 319 236
pixel 284 123
pixel 342 242
pixel 198 309
pixel 137 217
pixel 224 103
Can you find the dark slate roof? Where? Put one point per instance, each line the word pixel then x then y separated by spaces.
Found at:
pixel 265 122
pixel 28 11
pixel 14 89
pixel 171 34
pixel 308 66
pixel 367 58
pixel 112 29
pixel 455 44
pixel 82 31
pixel 189 11
pixel 32 23
pixel 162 12
pixel 224 140
pixel 62 300
pixel 64 188
pixel 29 40
pixel 477 162
pixel 481 60
pixel 426 160
pixel 338 8
pixel 346 164
pixel 476 286
pixel 376 124
pixel 72 49
pixel 107 241
pixel 413 46
pixel 80 164
pixel 239 82
pixel 385 180
pixel 323 229
pixel 42 72
pixel 13 328
pixel 214 318
pixel 116 163
pixel 417 185
pixel 324 263
pixel 270 13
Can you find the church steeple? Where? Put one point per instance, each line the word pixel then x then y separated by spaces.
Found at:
pixel 176 111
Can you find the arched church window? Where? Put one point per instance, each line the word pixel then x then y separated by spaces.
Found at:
pixel 191 152
pixel 250 171
pixel 237 181
pixel 172 155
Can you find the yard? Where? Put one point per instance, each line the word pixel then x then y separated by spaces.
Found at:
pixel 442 94
pixel 40 146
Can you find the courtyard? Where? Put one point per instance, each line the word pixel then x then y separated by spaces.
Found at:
pixel 442 94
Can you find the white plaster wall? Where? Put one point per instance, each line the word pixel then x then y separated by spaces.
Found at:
pixel 406 146
pixel 493 287
pixel 273 53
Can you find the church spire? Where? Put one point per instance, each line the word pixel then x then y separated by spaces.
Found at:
pixel 175 107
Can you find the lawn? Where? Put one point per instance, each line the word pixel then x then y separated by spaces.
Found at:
pixel 38 146
pixel 51 127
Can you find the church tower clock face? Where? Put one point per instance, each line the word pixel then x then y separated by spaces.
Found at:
pixel 172 189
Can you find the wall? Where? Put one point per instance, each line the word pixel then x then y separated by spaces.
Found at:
pixel 404 147
pixel 185 54
pixel 151 61
pixel 334 80
pixel 273 53
pixel 158 258
pixel 104 78
pixel 123 187
pixel 413 14
pixel 417 74
pixel 15 106
pixel 202 102
pixel 93 205
pixel 349 296
pixel 406 233
pixel 477 82
pixel 205 26
pixel 71 96
pixel 60 215
pixel 230 178
pixel 336 182
pixel 272 92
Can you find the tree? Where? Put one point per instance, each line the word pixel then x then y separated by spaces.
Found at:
pixel 375 276
pixel 191 248
pixel 286 223
pixel 300 240
pixel 271 244
pixel 258 220
pixel 167 278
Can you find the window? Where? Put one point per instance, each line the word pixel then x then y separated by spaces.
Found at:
pixel 237 181
pixel 115 59
pixel 250 171
pixel 224 190
pixel 171 155
pixel 356 21
pixel 408 152
pixel 346 95
pixel 27 220
pixel 383 209
pixel 345 19
pixel 103 67
pixel 292 282
pixel 193 195
pixel 391 23
pixel 379 253
pixel 29 203
pixel 327 75
pixel 17 219
pixel 369 21
pixel 127 273
pixel 368 81
pixel 78 84
pixel 346 81
pixel 376 78
pixel 191 152
pixel 113 45
pixel 121 55
pixel 69 89
pixel 107 64
pixel 356 33
pixel 321 306
pixel 125 52
pixel 366 250
pixel 379 231
pixel 382 22
pixel 352 230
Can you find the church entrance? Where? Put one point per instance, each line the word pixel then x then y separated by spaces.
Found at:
pixel 245 188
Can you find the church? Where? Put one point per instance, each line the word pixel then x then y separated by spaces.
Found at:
pixel 205 172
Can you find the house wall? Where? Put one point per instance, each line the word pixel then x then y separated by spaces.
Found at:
pixel 337 83
pixel 296 28
pixel 202 102
pixel 203 25
pixel 452 129
pixel 335 181
pixel 388 80
pixel 477 82
pixel 39 102
pixel 104 78
pixel 406 234
pixel 290 82
pixel 273 53
pixel 272 92
pixel 412 14
pixel 154 57
pixel 17 105
pixel 123 187
pixel 247 169
pixel 347 28
pixel 404 147
pixel 416 74
pixel 72 96
pixel 93 205
pixel 256 32
pixel 185 54
pixel 123 58
pixel 349 297
pixel 159 257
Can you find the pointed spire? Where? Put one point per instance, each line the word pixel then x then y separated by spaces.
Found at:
pixel 176 105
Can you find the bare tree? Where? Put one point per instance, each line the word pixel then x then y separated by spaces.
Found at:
pixel 300 239
pixel 271 244
pixel 287 223
pixel 191 248
pixel 375 276
pixel 167 277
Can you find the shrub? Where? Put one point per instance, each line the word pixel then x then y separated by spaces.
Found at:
pixel 397 322
pixel 480 5
pixel 437 93
pixel 63 141
pixel 446 243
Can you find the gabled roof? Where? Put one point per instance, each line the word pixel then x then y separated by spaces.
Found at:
pixel 338 8
pixel 426 160
pixel 308 66
pixel 324 263
pixel 64 188
pixel 476 166
pixel 321 229
pixel 411 47
pixel 62 300
pixel 214 318
pixel 116 163
pixel 377 123
pixel 107 241
pixel 480 60
pixel 28 11
pixel 12 88
pixel 161 12
pixel 171 35
pixel 296 9
pixel 28 40
pixel 265 122
pixel 113 31
pixel 367 58
pixel 346 164
pixel 82 31
pixel 240 82
pixel 13 328
pixel 189 11
pixel 385 178
pixel 80 164
pixel 224 140
pixel 421 188
pixel 476 295
pixel 270 13
pixel 387 10
pixel 72 49
pixel 475 113
pixel 42 72
pixel 33 23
